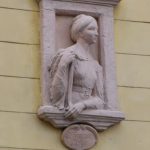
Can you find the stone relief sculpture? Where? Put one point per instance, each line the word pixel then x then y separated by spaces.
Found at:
pixel 75 87
pixel 76 79
pixel 75 82
pixel 78 92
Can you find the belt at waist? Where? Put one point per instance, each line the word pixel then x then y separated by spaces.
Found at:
pixel 86 91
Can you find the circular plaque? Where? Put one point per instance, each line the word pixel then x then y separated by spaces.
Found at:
pixel 79 137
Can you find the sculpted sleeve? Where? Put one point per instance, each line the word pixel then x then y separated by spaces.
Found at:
pixel 58 82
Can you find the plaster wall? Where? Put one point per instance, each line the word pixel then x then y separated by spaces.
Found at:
pixel 20 84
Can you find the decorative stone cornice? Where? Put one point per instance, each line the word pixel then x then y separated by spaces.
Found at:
pixel 100 119
pixel 94 2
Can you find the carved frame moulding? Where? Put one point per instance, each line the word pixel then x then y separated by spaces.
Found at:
pixel 94 2
pixel 103 13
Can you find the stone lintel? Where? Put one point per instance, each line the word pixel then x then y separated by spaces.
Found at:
pixel 93 2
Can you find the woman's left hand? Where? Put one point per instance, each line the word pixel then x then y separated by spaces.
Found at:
pixel 74 110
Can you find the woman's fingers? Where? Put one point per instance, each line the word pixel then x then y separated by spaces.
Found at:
pixel 71 113
pixel 74 110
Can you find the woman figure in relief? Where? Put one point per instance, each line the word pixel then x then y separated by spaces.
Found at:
pixel 76 78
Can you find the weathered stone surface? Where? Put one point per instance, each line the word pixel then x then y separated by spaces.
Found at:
pixel 76 86
pixel 94 2
pixel 100 119
pixel 79 137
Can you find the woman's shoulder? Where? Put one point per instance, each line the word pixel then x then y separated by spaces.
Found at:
pixel 64 51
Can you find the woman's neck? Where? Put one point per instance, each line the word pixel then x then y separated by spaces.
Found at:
pixel 83 47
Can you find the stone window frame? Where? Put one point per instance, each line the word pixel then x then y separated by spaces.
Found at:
pixel 103 12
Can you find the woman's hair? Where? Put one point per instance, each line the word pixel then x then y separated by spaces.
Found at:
pixel 79 23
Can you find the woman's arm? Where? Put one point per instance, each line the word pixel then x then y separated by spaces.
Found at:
pixel 96 101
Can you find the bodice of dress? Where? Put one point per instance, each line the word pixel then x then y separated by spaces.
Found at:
pixel 85 78
pixel 84 73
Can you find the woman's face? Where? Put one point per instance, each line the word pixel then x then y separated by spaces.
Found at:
pixel 90 33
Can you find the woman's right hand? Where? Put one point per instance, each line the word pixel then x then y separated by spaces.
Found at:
pixel 67 58
pixel 75 110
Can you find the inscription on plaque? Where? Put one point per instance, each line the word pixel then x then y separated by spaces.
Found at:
pixel 79 137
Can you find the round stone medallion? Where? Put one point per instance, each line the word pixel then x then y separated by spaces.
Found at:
pixel 79 137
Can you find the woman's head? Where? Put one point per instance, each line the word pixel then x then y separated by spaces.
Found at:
pixel 83 24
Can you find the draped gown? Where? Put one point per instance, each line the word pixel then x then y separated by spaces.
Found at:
pixel 86 82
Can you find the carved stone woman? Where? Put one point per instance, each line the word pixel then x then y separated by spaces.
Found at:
pixel 76 79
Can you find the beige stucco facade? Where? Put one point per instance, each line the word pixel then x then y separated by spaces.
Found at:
pixel 20 79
